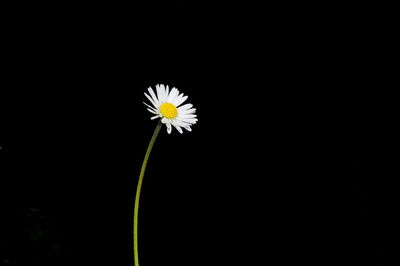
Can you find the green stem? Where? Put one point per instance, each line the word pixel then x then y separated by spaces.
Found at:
pixel 139 186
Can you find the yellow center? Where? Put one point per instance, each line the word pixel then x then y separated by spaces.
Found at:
pixel 168 110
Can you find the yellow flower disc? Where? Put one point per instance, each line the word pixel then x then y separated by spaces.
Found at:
pixel 168 110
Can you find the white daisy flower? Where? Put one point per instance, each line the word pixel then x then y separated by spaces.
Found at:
pixel 166 105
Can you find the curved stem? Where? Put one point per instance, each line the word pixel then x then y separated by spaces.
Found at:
pixel 139 186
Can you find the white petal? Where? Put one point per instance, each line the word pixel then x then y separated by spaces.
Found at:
pixel 166 92
pixel 179 100
pixel 164 120
pixel 172 95
pixel 181 123
pixel 150 99
pixel 152 111
pixel 189 121
pixel 155 99
pixel 159 94
pixel 151 107
pixel 185 107
pixel 187 115
pixel 162 96
pixel 177 127
pixel 185 112
pixel 169 128
pixel 154 117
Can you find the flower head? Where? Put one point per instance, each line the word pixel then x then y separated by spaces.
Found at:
pixel 166 105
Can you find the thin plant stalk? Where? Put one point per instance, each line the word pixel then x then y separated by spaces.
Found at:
pixel 139 186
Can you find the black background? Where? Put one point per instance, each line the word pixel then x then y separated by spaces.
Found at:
pixel 291 159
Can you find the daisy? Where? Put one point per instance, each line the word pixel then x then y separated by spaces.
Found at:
pixel 166 105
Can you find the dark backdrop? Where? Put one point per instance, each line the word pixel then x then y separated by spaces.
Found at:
pixel 291 158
